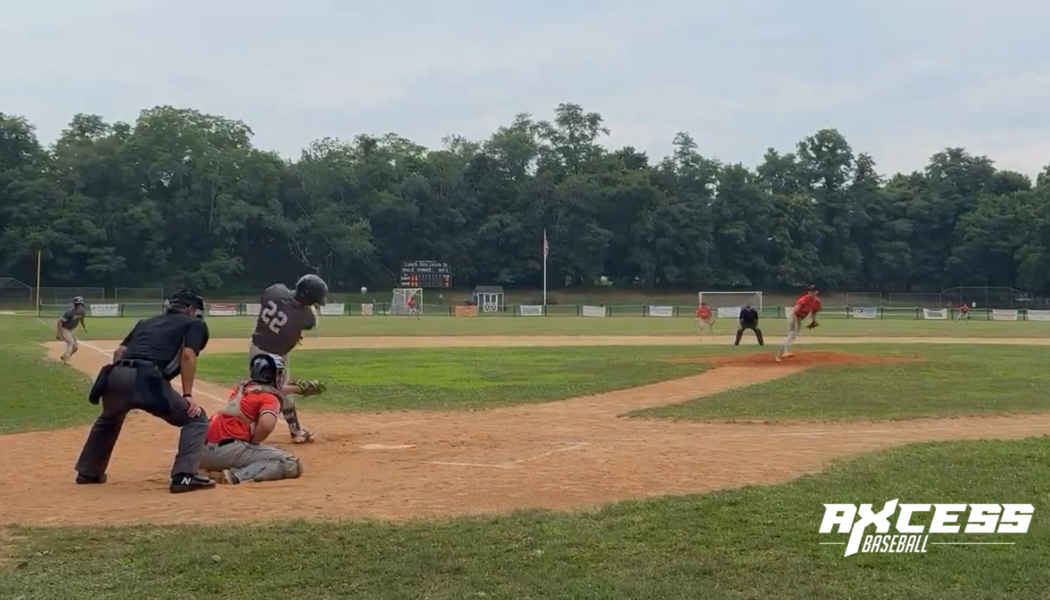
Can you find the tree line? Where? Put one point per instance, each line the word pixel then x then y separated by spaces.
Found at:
pixel 183 198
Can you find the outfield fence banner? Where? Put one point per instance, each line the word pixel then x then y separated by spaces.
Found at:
pixel 940 314
pixel 530 310
pixel 865 312
pixel 222 309
pixel 728 312
pixel 593 311
pixel 333 309
pixel 1002 314
pixel 1038 315
pixel 104 310
pixel 366 310
pixel 252 309
pixel 661 311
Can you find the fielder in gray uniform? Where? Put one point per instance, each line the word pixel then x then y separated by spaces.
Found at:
pixel 284 316
pixel 66 327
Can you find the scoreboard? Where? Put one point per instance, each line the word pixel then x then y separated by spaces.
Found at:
pixel 426 274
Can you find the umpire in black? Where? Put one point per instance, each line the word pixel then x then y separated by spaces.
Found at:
pixel 156 351
pixel 748 320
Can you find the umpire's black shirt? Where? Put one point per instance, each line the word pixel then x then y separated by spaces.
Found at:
pixel 160 340
pixel 748 316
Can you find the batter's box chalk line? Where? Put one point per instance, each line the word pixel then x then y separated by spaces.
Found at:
pixel 510 464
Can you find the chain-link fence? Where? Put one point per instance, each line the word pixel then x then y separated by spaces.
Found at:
pixel 65 295
pixel 137 294
pixel 15 295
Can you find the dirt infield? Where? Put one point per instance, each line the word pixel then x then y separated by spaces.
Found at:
pixel 559 455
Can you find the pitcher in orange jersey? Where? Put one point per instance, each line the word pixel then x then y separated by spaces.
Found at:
pixel 808 305
pixel 704 319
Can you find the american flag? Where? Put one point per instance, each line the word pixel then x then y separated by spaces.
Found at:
pixel 546 246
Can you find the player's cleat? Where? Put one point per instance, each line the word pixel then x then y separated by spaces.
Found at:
pixel 190 483
pixel 786 355
pixel 228 478
pixel 87 479
pixel 778 359
pixel 302 436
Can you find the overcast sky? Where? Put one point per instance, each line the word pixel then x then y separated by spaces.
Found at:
pixel 901 79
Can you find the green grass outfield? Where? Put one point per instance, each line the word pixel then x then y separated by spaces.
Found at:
pixel 755 543
pixel 102 328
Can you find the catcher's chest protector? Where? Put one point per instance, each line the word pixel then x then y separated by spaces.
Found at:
pixel 233 407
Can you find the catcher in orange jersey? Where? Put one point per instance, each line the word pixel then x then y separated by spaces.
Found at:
pixel 704 319
pixel 808 305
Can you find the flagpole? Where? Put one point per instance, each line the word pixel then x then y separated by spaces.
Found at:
pixel 545 247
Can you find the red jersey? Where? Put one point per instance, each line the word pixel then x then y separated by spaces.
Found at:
pixel 411 302
pixel 253 405
pixel 965 308
pixel 807 305
pixel 704 312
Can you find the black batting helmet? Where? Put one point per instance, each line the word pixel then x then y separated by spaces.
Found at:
pixel 78 301
pixel 311 290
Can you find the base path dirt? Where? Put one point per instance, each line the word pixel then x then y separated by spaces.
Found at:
pixel 575 453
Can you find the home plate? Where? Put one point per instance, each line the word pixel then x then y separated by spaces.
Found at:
pixel 387 446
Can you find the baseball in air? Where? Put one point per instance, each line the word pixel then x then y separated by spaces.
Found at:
pixel 364 290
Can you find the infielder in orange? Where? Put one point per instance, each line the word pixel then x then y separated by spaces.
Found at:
pixel 808 305
pixel 704 319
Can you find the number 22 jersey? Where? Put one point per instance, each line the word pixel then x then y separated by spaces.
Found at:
pixel 281 321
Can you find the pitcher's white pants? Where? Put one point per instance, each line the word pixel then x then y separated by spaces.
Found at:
pixel 794 326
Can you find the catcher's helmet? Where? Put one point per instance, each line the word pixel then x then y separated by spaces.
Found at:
pixel 311 290
pixel 267 369
pixel 78 301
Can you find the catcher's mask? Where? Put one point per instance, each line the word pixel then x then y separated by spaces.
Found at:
pixel 267 369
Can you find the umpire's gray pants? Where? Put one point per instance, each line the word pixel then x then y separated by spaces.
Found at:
pixel 251 462
pixel 121 397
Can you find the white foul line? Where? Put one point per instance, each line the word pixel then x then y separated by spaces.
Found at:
pixel 510 463
pixel 217 399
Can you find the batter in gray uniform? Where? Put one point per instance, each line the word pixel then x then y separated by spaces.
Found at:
pixel 284 316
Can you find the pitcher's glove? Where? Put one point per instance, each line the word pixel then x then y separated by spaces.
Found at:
pixel 812 325
pixel 309 387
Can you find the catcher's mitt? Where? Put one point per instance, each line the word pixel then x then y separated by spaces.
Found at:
pixel 812 325
pixel 309 387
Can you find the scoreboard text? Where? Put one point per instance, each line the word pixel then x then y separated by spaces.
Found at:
pixel 426 274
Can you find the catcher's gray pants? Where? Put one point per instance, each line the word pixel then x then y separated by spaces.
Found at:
pixel 121 397
pixel 251 462
pixel 70 338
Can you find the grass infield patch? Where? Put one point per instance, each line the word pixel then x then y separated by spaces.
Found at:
pixel 460 378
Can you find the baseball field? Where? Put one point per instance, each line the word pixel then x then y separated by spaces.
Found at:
pixel 547 458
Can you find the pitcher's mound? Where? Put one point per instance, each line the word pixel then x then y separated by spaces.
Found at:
pixel 800 359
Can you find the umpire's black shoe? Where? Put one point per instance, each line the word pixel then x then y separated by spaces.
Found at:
pixel 190 483
pixel 88 479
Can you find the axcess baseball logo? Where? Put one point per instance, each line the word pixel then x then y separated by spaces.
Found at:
pixel 983 518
